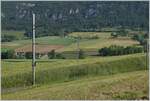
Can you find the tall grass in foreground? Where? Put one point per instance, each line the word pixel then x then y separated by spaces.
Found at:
pixel 65 74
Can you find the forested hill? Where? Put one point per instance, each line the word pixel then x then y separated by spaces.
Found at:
pixel 58 17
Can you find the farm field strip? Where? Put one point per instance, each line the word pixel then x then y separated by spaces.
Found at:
pixel 100 87
pixel 24 65
pixel 90 34
pixel 53 72
pixel 49 40
pixel 18 34
pixel 100 43
pixel 70 43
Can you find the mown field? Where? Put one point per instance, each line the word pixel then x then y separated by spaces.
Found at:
pixel 104 40
pixel 50 40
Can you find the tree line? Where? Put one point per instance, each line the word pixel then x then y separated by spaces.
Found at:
pixel 60 18
pixel 10 54
pixel 115 50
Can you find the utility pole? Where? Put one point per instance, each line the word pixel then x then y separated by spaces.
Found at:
pixel 147 51
pixel 78 49
pixel 33 51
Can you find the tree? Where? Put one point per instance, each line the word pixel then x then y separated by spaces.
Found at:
pixel 28 55
pixel 8 54
pixel 59 56
pixel 138 37
pixel 119 50
pixel 81 54
pixel 8 38
pixel 114 34
pixel 89 17
pixel 122 32
pixel 51 55
pixel 104 51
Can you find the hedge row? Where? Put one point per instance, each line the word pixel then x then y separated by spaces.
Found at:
pixel 119 50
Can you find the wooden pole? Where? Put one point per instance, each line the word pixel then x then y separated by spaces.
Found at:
pixel 33 51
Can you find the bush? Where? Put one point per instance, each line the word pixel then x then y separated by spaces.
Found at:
pixel 7 54
pixel 59 56
pixel 114 34
pixel 28 55
pixel 138 37
pixel 8 38
pixel 51 55
pixel 122 32
pixel 81 54
pixel 119 50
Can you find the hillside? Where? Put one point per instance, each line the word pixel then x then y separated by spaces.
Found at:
pixel 67 69
pixel 84 50
pixel 58 18
pixel 131 85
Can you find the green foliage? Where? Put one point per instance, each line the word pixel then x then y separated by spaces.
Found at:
pixel 10 35
pixel 142 38
pixel 138 37
pixel 68 72
pixel 129 85
pixel 119 50
pixel 81 54
pixel 114 34
pixel 8 38
pixel 59 56
pixel 51 55
pixel 145 44
pixel 122 32
pixel 60 18
pixel 54 55
pixel 28 55
pixel 7 54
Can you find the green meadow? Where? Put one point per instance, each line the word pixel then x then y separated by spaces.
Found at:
pixel 95 77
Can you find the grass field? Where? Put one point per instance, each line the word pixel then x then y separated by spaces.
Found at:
pixel 18 34
pixel 131 85
pixel 50 40
pixel 104 40
pixel 99 43
pixel 95 77
pixel 66 70
pixel 90 34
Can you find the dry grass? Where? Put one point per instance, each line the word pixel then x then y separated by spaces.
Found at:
pixel 100 43
pixel 131 85
pixel 90 34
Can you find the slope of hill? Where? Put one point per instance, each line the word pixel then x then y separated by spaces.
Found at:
pixel 131 86
pixel 55 18
pixel 72 61
pixel 66 70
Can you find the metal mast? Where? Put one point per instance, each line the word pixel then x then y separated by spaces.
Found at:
pixel 33 51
